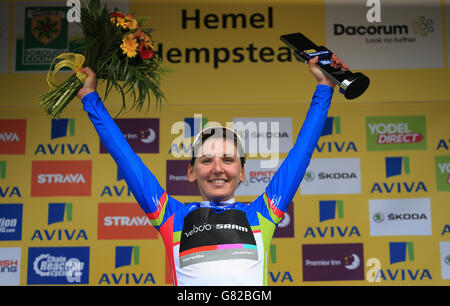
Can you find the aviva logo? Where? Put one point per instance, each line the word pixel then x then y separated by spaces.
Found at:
pixel 125 254
pixel 340 144
pixel 396 166
pixel 7 191
pixel 116 190
pixel 332 126
pixel 191 127
pixel 62 128
pixel 398 251
pixel 2 169
pixel 278 276
pixel 328 210
pixel 331 210
pixel 58 211
pixel 403 252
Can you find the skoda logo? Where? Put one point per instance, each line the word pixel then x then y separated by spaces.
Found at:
pixel 447 260
pixel 309 176
pixel 378 217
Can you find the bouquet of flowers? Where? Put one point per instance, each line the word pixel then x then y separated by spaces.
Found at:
pixel 119 50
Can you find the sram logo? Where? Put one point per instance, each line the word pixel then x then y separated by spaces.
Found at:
pixel 61 178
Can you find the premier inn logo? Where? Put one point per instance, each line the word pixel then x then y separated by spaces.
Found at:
pixel 61 178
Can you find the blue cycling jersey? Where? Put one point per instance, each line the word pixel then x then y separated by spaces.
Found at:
pixel 208 242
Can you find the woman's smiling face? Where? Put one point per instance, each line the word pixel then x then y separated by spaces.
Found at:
pixel 218 170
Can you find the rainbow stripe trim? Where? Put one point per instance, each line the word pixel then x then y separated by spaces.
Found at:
pixel 218 247
pixel 275 213
pixel 157 216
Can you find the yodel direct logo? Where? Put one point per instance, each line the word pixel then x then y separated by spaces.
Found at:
pixel 396 133
pixel 443 173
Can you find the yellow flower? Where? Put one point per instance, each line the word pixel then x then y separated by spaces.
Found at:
pixel 130 22
pixel 129 45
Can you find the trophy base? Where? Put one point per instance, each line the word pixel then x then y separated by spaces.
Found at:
pixel 354 86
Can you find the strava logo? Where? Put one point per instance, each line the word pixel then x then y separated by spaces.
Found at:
pixel 61 178
pixel 12 136
pixel 123 221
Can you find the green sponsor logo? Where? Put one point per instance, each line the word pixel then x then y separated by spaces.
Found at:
pixel 46 35
pixel 443 173
pixel 389 133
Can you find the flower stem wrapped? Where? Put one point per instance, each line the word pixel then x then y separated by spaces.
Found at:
pixel 120 51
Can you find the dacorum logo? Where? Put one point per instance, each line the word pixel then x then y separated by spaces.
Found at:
pixel 388 33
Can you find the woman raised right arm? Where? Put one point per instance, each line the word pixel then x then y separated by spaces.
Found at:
pixel 149 194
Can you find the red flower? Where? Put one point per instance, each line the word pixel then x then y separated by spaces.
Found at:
pixel 116 14
pixel 145 53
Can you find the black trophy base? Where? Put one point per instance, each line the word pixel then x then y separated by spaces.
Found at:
pixel 355 85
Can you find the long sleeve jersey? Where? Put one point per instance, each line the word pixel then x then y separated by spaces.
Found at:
pixel 208 242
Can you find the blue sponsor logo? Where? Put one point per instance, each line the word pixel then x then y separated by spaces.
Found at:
pixel 58 266
pixel 396 166
pixel 62 128
pixel 11 222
